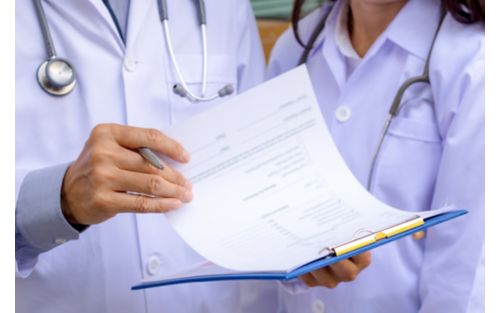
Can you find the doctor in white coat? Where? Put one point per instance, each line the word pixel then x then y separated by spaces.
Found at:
pixel 79 244
pixel 431 155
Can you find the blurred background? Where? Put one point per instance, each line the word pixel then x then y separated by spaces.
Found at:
pixel 273 18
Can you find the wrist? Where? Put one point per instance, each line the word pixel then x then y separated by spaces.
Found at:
pixel 68 212
pixel 68 215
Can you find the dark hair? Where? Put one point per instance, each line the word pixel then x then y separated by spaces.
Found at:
pixel 464 11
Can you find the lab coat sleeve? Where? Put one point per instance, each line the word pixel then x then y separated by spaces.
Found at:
pixel 40 224
pixel 251 62
pixel 454 252
pixel 286 52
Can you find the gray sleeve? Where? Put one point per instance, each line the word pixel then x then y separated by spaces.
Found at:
pixel 40 223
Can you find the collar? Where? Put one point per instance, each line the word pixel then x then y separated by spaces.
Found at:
pixel 412 30
pixel 342 37
pixel 414 27
pixel 332 8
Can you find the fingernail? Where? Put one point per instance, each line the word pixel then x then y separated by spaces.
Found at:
pixel 188 185
pixel 418 235
pixel 185 156
pixel 176 204
pixel 188 196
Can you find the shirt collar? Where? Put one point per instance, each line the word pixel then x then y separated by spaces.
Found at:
pixel 331 9
pixel 342 37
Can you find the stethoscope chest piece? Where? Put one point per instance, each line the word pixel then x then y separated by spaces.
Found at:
pixel 56 76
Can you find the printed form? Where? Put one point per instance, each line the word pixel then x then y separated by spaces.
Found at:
pixel 271 190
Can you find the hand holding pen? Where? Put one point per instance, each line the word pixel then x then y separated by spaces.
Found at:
pixel 151 157
pixel 115 163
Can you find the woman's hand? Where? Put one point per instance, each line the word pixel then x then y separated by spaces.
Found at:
pixel 97 185
pixel 343 271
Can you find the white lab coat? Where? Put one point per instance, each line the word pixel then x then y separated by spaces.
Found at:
pixel 433 156
pixel 129 85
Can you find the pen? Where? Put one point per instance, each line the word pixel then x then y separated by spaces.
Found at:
pixel 151 157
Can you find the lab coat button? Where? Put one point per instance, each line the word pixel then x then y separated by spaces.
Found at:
pixel 343 113
pixel 130 64
pixel 154 265
pixel 318 306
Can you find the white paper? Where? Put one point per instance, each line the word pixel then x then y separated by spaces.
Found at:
pixel 271 190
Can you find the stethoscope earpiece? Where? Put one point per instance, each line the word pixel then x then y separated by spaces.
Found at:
pixel 56 76
pixel 182 89
pixel 179 90
pixel 227 90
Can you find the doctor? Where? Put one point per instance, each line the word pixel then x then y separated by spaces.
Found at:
pixel 401 86
pixel 95 81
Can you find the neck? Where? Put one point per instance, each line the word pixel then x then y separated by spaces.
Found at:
pixel 368 19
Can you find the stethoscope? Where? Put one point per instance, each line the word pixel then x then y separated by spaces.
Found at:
pixel 57 76
pixel 396 103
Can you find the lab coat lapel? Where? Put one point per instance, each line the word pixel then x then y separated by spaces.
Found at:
pixel 136 16
pixel 104 13
pixel 330 50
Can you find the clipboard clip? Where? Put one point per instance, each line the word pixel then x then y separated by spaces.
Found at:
pixel 330 251
pixel 372 237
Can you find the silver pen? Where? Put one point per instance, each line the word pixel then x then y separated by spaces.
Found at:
pixel 151 157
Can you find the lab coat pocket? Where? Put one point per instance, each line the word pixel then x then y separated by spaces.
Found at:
pixel 408 163
pixel 222 71
pixel 414 129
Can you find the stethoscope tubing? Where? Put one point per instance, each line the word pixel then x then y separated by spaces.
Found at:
pixel 50 84
pixel 185 90
pixel 47 37
pixel 396 103
pixel 175 64
pixel 56 87
pixel 393 112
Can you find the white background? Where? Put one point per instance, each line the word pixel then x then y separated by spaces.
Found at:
pixel 7 265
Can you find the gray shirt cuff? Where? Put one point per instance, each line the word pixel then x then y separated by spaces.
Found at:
pixel 39 218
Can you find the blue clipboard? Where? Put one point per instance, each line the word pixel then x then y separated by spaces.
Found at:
pixel 317 264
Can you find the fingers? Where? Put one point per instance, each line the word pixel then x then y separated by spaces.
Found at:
pixel 362 260
pixel 135 137
pixel 150 184
pixel 309 280
pixel 345 270
pixel 418 235
pixel 132 161
pixel 95 186
pixel 126 203
pixel 326 277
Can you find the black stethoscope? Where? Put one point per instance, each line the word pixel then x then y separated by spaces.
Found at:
pixel 396 103
pixel 57 76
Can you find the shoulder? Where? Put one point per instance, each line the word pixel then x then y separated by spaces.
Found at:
pixel 458 55
pixel 287 51
pixel 457 71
